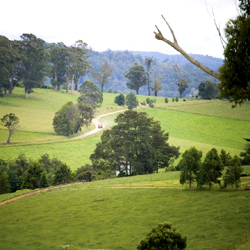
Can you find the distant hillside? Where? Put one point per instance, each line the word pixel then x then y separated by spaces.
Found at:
pixel 121 61
pixel 209 61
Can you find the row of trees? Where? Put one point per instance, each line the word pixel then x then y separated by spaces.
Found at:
pixel 30 60
pixel 138 77
pixel 210 170
pixel 22 173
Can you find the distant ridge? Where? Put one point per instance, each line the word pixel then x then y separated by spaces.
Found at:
pixel 209 61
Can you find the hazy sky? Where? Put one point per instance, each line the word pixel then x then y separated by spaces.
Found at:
pixel 120 24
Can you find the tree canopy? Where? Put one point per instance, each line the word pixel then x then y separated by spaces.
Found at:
pixel 71 117
pixel 137 141
pixel 163 237
pixel 211 169
pixel 8 59
pixel 235 72
pixel 11 122
pixel 131 101
pixel 190 165
pixel 208 90
pixel 33 63
pixel 90 94
pixel 103 75
pixel 120 100
pixel 137 77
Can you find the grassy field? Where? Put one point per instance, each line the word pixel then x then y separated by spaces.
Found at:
pixel 118 213
pixel 204 124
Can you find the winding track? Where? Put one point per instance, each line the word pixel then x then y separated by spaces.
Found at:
pixel 96 122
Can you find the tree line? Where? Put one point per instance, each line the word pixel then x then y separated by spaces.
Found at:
pixel 24 173
pixel 31 62
pixel 210 171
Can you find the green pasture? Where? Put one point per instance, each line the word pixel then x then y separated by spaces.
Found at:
pixel 118 213
pixel 204 124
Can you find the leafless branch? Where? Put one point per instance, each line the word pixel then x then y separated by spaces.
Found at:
pixel 175 45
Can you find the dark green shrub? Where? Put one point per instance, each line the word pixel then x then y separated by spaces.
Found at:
pixel 163 237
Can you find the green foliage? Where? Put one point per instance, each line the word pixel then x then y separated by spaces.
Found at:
pixel 33 176
pixel 84 173
pixel 208 90
pixel 131 101
pixel 211 169
pixel 166 100
pixel 77 64
pixel 11 122
pixel 70 118
pixel 136 142
pixel 66 120
pixel 245 155
pixel 86 113
pixel 8 60
pixel 33 63
pixel 90 94
pixel 62 175
pixel 137 77
pixel 225 157
pixel 59 54
pixel 120 100
pixel 233 172
pixel 4 183
pixel 235 72
pixel 44 182
pixel 190 165
pixel 157 85
pixel 176 98
pixel 48 164
pixel 150 102
pixel 163 237
pixel 121 61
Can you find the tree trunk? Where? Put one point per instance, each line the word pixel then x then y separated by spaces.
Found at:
pixel 8 140
pixel 67 84
pixel 72 85
pixel 149 90
pixel 11 85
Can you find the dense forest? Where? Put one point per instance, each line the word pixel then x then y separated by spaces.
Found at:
pixel 162 66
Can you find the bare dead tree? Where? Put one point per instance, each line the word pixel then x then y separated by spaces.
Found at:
pixel 175 45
